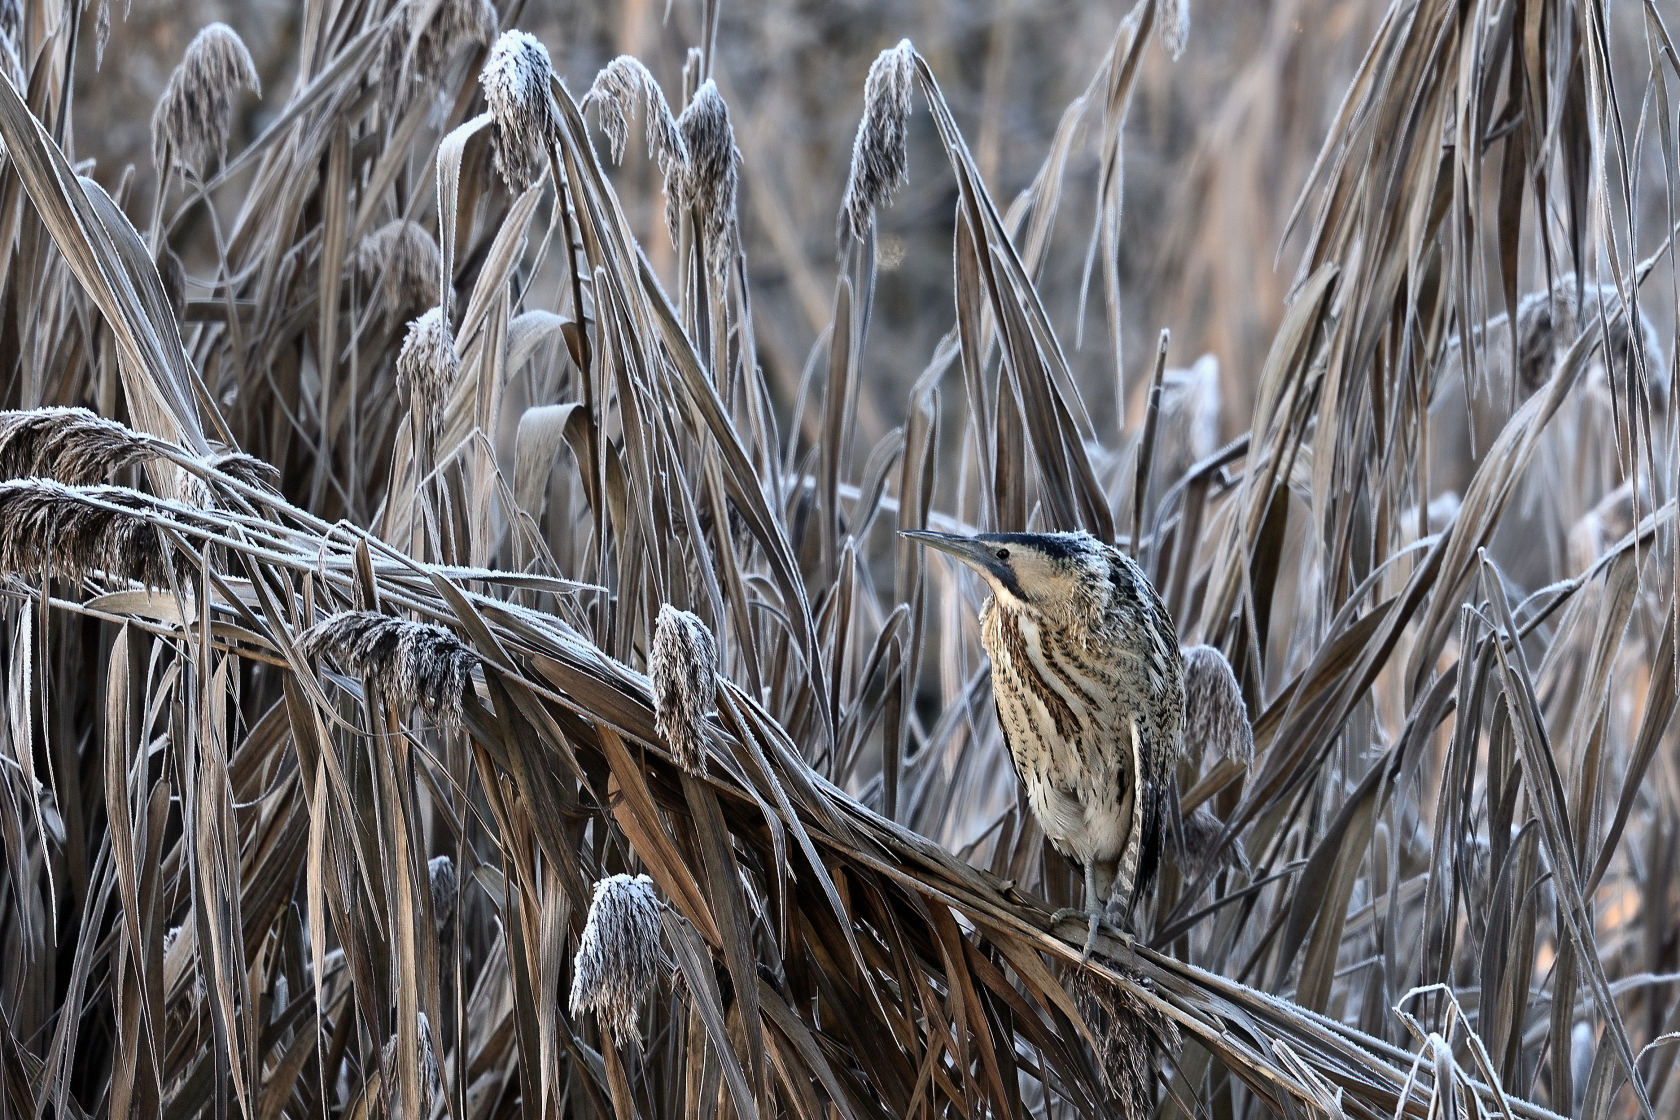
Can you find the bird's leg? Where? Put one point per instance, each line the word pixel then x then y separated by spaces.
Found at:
pixel 1093 913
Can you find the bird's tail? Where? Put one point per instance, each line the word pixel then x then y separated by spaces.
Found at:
pixel 1128 1031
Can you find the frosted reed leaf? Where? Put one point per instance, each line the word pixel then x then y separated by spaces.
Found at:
pixel 427 366
pixel 72 445
pixel 440 875
pixel 614 94
pixel 390 1073
pixel 404 262
pixel 683 668
pixel 174 278
pixel 618 957
pixel 526 118
pixel 881 150
pixel 1202 831
pixel 1215 717
pixel 713 173
pixel 1128 1030
pixel 1175 26
pixel 195 113
pixel 48 528
pixel 414 53
pixel 406 663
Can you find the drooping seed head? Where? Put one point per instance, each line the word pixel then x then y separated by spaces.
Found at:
pixel 71 445
pixel 404 261
pixel 427 366
pixel 193 118
pixel 1214 713
pixel 414 53
pixel 48 528
pixel 1202 832
pixel 1128 1030
pixel 683 667
pixel 614 94
pixel 618 957
pixel 440 872
pixel 407 663
pixel 526 118
pixel 712 177
pixel 881 151
pixel 390 1075
pixel 1175 26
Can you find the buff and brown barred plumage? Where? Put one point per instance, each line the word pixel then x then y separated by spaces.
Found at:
pixel 1089 685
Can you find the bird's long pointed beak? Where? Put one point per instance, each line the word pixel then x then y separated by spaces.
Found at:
pixel 976 554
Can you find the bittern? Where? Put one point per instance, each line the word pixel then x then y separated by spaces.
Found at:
pixel 1089 687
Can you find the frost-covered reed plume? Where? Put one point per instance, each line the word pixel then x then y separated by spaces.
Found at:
pixel 526 120
pixel 683 669
pixel 407 663
pixel 390 1076
pixel 427 366
pixel 1128 1030
pixel 404 262
pixel 881 150
pixel 422 39
pixel 1215 717
pixel 195 113
pixel 713 174
pixel 48 528
pixel 618 956
pixel 441 878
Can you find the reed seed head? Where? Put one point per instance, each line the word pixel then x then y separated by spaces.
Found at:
pixel 72 445
pixel 1175 26
pixel 403 260
pixel 48 528
pixel 527 120
pixel 427 366
pixel 618 958
pixel 415 53
pixel 440 871
pixel 390 1073
pixel 1214 713
pixel 614 95
pixel 713 172
pixel 1128 1030
pixel 195 113
pixel 1549 323
pixel 683 668
pixel 1202 830
pixel 881 151
pixel 1615 516
pixel 407 663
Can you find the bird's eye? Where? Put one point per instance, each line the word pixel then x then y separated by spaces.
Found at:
pixel 1003 554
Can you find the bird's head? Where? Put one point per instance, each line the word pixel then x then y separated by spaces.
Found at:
pixel 1057 574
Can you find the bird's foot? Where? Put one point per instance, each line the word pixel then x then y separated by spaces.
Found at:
pixel 1094 919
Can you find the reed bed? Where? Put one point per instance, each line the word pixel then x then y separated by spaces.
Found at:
pixel 447 675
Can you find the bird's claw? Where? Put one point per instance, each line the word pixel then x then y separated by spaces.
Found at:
pixel 1092 917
